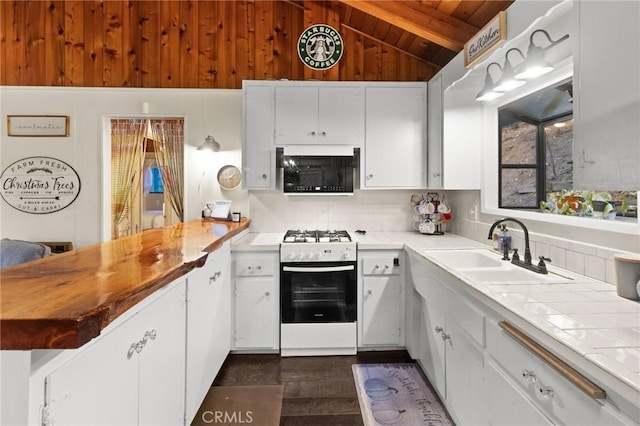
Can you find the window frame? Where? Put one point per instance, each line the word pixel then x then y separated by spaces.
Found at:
pixel 540 152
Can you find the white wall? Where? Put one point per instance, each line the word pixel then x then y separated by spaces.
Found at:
pixel 214 112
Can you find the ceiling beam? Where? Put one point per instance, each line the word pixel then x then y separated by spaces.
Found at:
pixel 420 20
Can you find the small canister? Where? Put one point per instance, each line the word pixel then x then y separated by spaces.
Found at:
pixel 235 216
pixel 627 275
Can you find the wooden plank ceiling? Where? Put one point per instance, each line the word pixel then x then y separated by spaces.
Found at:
pixel 434 31
pixel 218 44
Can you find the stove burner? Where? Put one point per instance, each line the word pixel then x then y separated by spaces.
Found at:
pixel 316 236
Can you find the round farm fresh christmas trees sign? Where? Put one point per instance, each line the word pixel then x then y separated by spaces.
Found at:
pixel 320 47
pixel 39 185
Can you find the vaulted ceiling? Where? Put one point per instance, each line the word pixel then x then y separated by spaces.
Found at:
pixel 432 30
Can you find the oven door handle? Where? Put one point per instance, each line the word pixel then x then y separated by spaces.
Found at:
pixel 318 269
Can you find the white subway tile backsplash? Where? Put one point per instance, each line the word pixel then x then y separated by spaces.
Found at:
pixel 594 267
pixel 558 256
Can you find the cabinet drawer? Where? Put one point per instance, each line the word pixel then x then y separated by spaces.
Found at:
pixel 388 265
pixel 254 265
pixel 556 396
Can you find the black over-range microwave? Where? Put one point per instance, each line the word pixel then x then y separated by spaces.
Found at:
pixel 317 169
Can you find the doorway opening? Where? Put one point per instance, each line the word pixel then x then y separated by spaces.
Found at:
pixel 146 158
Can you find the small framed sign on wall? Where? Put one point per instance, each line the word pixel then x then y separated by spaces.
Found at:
pixel 38 125
pixel 488 38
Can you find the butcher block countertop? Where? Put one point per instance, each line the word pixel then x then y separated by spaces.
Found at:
pixel 65 300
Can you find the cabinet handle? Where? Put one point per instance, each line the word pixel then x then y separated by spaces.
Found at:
pixel 547 392
pixel 439 329
pixel 369 292
pixel 313 133
pixel 323 133
pixel 436 175
pixel 446 337
pixel 257 268
pixel 386 267
pixel 264 176
pixel 580 381
pixel 369 176
pixel 529 376
pixel 267 293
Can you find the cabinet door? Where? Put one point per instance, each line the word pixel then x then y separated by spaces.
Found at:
pixel 464 376
pixel 395 137
pixel 296 115
pixel 607 129
pixel 431 355
pixel 208 326
pixel 381 310
pixel 507 405
pixel 256 313
pixel 100 385
pixel 341 116
pixel 434 133
pixel 162 360
pixel 258 149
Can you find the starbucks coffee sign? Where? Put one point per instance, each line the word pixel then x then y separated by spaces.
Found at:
pixel 320 47
pixel 39 185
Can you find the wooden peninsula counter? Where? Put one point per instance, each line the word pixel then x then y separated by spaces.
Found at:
pixel 64 301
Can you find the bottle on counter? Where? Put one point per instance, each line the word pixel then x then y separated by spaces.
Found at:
pixel 501 238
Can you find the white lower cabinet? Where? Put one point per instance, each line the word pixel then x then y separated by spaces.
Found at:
pixel 483 375
pixel 452 360
pixel 549 391
pixel 256 302
pixel 381 296
pixel 508 406
pixel 208 326
pixel 134 374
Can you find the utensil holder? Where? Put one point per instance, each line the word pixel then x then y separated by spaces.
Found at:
pixel 627 275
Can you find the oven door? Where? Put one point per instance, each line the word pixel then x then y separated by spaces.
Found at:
pixel 319 292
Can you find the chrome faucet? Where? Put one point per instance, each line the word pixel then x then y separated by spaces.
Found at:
pixel 541 267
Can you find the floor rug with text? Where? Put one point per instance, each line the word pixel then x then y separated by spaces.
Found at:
pixel 397 394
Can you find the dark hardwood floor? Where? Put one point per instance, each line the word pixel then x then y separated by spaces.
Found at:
pixel 318 391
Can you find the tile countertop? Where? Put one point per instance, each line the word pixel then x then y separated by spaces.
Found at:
pixel 586 316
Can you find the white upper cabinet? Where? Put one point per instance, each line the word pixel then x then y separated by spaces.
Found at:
pixel 258 149
pixel 434 133
pixel 329 115
pixel 607 95
pixel 395 152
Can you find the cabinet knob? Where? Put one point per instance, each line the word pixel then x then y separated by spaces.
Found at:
pixel 529 376
pixel 446 337
pixel 547 392
pixel 264 176
pixel 135 347
pixel 369 176
pixel 323 133
pixel 313 133
pixel 267 293
pixel 152 334
pixel 436 174
pixel 369 292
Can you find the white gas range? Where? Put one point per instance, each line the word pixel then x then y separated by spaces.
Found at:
pixel 318 293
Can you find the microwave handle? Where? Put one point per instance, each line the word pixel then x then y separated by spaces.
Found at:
pixel 318 269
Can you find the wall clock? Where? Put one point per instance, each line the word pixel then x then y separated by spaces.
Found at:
pixel 229 177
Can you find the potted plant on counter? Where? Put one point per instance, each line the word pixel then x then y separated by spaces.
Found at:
pixel 599 204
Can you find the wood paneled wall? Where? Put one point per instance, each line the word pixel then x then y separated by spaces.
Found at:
pixel 180 43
